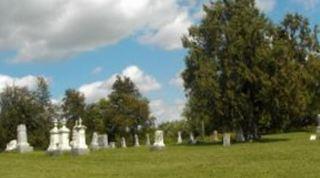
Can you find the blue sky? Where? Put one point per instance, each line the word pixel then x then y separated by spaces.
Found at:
pixel 83 44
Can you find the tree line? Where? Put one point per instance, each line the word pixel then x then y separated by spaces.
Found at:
pixel 124 112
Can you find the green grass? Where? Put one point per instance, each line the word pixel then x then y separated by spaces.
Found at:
pixel 285 155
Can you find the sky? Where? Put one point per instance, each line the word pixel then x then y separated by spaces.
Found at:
pixel 84 44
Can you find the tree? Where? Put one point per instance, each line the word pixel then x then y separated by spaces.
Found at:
pixel 73 105
pixel 21 106
pixel 127 111
pixel 244 72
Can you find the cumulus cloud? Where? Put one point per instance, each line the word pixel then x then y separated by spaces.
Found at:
pixel 57 29
pixel 100 89
pixel 28 81
pixel 177 81
pixel 165 112
pixel 266 5
pixel 169 35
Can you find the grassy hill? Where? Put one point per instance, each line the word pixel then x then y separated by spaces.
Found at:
pixel 283 155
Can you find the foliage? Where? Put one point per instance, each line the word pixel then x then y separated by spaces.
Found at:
pixel 21 106
pixel 73 105
pixel 245 72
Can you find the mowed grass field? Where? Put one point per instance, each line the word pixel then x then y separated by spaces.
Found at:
pixel 284 155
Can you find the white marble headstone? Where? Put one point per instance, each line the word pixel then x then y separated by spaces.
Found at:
pixel 192 140
pixel 148 140
pixel 80 146
pixel 94 142
pixel 179 138
pixel 313 137
pixel 64 143
pixel 112 144
pixel 22 139
pixel 226 139
pixel 54 138
pixel 103 141
pixel 239 135
pixel 136 140
pixel 123 142
pixel 215 136
pixel 11 146
pixel 318 127
pixel 158 140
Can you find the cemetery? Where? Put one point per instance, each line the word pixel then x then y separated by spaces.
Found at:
pixel 245 101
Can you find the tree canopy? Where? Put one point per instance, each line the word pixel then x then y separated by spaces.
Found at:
pixel 245 72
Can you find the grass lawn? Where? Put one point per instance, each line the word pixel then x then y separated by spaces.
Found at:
pixel 284 155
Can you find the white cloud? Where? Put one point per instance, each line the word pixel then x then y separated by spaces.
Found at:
pixel 177 81
pixel 57 29
pixel 28 81
pixel 266 5
pixel 167 112
pixel 97 70
pixel 308 4
pixel 100 89
pixel 169 36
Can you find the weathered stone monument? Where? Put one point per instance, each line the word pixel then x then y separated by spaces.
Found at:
pixel 103 141
pixel 148 143
pixel 11 146
pixel 226 139
pixel 192 140
pixel 74 135
pixel 94 142
pixel 64 143
pixel 112 144
pixel 158 141
pixel 136 140
pixel 313 137
pixel 215 136
pixel 80 147
pixel 123 142
pixel 318 127
pixel 239 135
pixel 316 136
pixel 54 138
pixel 179 138
pixel 22 140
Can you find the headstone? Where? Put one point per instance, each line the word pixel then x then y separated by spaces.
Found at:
pixel 64 143
pixel 239 135
pixel 136 140
pixel 74 136
pixel 103 141
pixel 22 140
pixel 94 142
pixel 11 146
pixel 112 144
pixel 148 143
pixel 192 140
pixel 158 141
pixel 318 127
pixel 215 136
pixel 54 138
pixel 80 146
pixel 313 137
pixel 123 142
pixel 226 139
pixel 179 138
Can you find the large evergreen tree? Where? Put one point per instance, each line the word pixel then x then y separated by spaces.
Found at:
pixel 244 72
